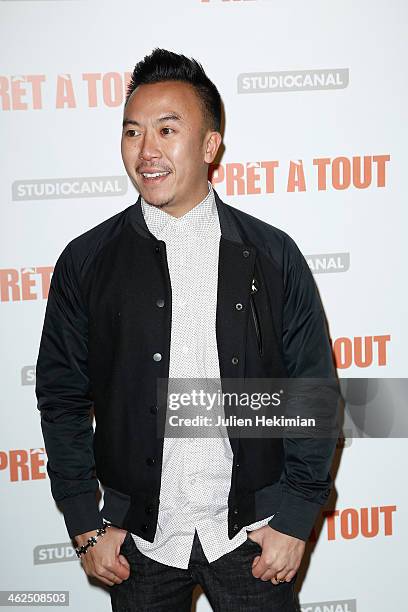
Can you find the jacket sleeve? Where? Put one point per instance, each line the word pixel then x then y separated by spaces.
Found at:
pixel 306 481
pixel 64 400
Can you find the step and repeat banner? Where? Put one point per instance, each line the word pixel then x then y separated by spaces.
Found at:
pixel 315 100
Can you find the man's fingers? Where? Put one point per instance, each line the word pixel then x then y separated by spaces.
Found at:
pixel 105 574
pixel 105 581
pixel 101 573
pixel 259 567
pixel 124 561
pixel 286 576
pixel 265 571
pixel 268 574
pixel 114 574
pixel 118 569
pixel 121 569
pixel 275 579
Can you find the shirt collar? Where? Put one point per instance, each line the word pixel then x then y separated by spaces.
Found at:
pixel 195 219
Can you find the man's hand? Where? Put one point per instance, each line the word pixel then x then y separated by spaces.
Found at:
pixel 103 560
pixel 281 555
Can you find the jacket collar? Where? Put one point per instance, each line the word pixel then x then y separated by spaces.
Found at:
pixel 228 226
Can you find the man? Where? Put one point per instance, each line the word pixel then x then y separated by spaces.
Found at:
pixel 180 284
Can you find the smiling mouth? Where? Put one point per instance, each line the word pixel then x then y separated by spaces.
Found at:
pixel 154 177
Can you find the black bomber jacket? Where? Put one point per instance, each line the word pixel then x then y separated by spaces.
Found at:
pixel 102 326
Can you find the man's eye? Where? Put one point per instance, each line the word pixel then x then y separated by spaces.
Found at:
pixel 167 130
pixel 131 133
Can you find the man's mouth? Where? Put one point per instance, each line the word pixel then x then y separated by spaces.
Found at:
pixel 154 177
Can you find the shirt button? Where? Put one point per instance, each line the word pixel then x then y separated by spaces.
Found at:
pixel 235 360
pixel 238 306
pixel 245 253
pixel 150 461
pixel 157 357
pixel 160 302
pixel 192 481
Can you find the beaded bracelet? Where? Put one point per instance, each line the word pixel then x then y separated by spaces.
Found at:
pixel 82 550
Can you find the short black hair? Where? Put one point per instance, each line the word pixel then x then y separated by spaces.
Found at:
pixel 162 65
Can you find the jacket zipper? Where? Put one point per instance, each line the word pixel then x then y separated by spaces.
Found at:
pixel 255 317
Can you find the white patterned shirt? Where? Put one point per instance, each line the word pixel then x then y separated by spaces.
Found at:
pixel 196 472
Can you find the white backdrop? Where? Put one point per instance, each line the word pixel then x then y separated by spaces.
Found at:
pixel 330 98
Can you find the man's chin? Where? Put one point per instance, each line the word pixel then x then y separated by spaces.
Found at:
pixel 157 200
pixel 153 197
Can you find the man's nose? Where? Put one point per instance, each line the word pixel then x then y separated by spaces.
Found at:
pixel 149 147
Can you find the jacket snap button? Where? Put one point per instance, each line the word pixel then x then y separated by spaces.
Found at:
pixel 235 510
pixel 160 303
pixel 150 461
pixel 144 527
pixel 149 509
pixel 237 465
pixel 154 409
pixel 235 360
pixel 238 306
pixel 157 249
pixel 235 527
pixel 157 357
pixel 245 253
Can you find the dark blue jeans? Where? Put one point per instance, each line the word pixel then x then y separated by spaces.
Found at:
pixel 227 582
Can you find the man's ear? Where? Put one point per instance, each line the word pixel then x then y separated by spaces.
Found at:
pixel 212 144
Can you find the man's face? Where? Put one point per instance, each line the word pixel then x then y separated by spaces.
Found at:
pixel 165 132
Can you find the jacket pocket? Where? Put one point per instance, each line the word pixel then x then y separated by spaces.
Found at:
pixel 255 317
